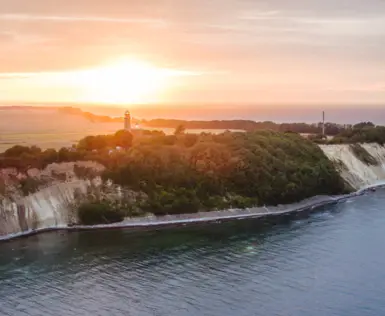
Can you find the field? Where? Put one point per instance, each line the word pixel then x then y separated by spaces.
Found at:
pixel 47 128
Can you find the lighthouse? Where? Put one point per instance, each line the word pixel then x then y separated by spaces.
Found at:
pixel 127 121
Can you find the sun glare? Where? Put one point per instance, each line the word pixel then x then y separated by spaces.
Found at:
pixel 125 81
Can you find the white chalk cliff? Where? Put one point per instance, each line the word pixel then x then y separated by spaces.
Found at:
pixel 354 171
pixel 50 207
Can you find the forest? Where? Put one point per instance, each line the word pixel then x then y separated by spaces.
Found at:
pixel 186 173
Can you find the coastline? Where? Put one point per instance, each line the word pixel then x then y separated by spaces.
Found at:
pixel 309 204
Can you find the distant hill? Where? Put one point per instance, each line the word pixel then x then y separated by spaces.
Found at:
pixel 89 116
pixel 246 125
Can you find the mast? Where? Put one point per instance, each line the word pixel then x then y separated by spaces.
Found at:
pixel 323 123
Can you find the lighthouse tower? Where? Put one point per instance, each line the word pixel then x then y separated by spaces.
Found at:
pixel 127 121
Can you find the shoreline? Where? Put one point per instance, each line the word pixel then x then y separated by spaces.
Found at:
pixel 309 204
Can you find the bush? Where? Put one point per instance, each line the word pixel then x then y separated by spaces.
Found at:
pixel 190 140
pixel 366 134
pixel 362 154
pixel 84 172
pixel 176 201
pixel 215 202
pixel 99 213
pixel 180 129
pixel 241 202
pixel 29 185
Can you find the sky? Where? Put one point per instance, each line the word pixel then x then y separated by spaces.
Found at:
pixel 218 51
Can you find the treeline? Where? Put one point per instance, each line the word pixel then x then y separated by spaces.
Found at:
pixel 331 129
pixel 248 125
pixel 365 132
pixel 89 116
pixel 95 118
pixel 89 148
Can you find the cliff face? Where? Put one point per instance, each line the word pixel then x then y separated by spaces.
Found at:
pixel 50 206
pixel 355 171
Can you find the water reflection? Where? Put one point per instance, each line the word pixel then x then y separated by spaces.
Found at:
pixel 329 263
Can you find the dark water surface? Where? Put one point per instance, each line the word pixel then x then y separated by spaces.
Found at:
pixel 331 263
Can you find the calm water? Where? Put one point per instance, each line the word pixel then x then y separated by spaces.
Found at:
pixel 331 263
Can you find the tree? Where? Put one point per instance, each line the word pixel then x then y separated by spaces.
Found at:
pixel 123 139
pixel 180 129
pixel 99 213
pixel 17 151
pixel 363 125
pixel 49 156
pixel 63 154
pixel 90 143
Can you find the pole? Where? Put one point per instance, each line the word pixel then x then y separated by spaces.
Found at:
pixel 323 123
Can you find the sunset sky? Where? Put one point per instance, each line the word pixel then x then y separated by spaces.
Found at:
pixel 154 51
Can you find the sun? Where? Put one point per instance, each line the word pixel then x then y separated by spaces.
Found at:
pixel 124 81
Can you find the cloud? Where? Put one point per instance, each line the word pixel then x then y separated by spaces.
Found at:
pixel 6 36
pixel 294 29
pixel 74 19
pixel 305 22
pixel 24 75
pixel 9 76
pixel 259 15
pixel 70 73
pixel 370 88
